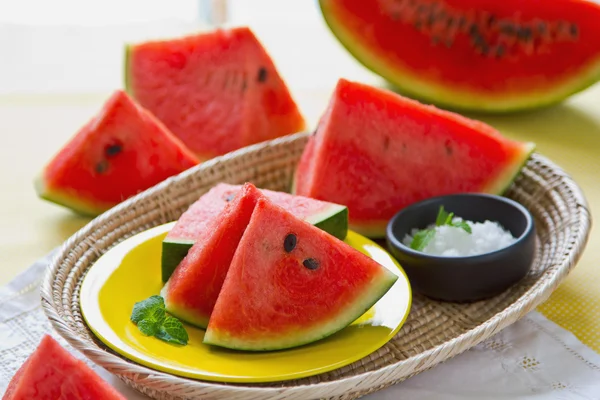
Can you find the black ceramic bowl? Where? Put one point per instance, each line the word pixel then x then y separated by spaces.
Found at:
pixel 470 278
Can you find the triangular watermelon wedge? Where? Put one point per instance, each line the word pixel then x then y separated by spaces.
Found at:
pixel 217 91
pixel 378 152
pixel 192 290
pixel 52 373
pixel 290 283
pixel 118 153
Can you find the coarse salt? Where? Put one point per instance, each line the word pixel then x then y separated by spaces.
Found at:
pixel 450 241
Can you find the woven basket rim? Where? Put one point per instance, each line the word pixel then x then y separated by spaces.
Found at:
pixel 535 295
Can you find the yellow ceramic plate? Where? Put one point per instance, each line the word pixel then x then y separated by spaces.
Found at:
pixel 130 272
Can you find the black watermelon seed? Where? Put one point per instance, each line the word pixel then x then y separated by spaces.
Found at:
pixel 311 263
pixel 541 27
pixel 262 74
pixel 289 243
pixel 574 30
pixel 462 21
pixel 473 30
pixel 113 150
pixel 500 50
pixel 508 28
pixel 524 33
pixel 430 20
pixel 102 166
pixel 230 197
pixel 386 142
pixel 491 20
pixel 449 150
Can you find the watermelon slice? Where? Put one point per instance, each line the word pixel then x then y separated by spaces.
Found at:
pixel 290 283
pixel 332 218
pixel 52 373
pixel 191 292
pixel 217 91
pixel 120 152
pixel 481 55
pixel 377 152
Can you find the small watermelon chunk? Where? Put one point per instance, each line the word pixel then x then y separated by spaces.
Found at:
pixel 290 283
pixel 52 373
pixel 191 292
pixel 378 152
pixel 332 218
pixel 119 153
pixel 217 91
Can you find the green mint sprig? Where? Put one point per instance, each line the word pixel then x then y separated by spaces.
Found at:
pixel 424 236
pixel 151 319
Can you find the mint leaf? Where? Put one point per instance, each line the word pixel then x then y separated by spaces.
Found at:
pixel 462 224
pixel 152 308
pixel 151 319
pixel 421 239
pixel 172 331
pixel 148 328
pixel 442 217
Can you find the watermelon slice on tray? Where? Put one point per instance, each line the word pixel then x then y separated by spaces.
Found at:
pixel 291 283
pixel 330 217
pixel 377 152
pixel 191 292
pixel 217 91
pixel 52 373
pixel 121 151
pixel 482 55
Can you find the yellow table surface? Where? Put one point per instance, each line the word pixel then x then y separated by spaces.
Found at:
pixel 33 126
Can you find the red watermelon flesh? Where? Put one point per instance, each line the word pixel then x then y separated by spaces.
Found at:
pixel 332 218
pixel 474 54
pixel 378 152
pixel 290 283
pixel 217 91
pixel 52 373
pixel 120 152
pixel 191 292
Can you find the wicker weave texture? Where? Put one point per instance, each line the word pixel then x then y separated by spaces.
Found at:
pixel 434 331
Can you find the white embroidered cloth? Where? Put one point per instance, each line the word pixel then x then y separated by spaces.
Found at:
pixel 533 359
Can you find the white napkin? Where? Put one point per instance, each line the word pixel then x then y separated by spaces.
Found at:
pixel 533 359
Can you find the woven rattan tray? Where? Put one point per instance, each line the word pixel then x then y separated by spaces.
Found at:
pixel 434 332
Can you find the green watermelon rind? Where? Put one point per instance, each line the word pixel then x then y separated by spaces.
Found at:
pixel 173 251
pixel 127 72
pixel 411 85
pixel 333 220
pixel 361 305
pixel 83 208
pixel 197 320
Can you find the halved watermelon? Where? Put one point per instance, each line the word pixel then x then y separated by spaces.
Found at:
pixel 52 373
pixel 217 91
pixel 377 152
pixel 290 283
pixel 332 218
pixel 191 292
pixel 474 54
pixel 120 152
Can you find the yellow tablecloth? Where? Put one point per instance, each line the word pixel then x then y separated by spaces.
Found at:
pixel 33 126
